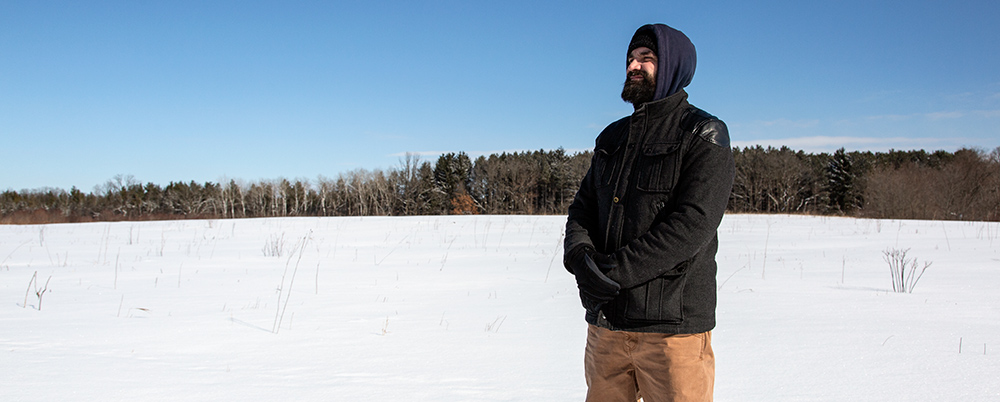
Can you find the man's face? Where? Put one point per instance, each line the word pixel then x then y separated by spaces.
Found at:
pixel 641 59
pixel 640 76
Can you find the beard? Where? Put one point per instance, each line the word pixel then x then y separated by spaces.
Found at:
pixel 638 92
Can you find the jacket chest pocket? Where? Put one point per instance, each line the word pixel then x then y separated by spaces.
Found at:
pixel 604 166
pixel 658 167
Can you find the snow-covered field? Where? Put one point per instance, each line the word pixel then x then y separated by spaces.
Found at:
pixel 474 308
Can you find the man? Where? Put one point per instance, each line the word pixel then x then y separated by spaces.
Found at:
pixel 641 233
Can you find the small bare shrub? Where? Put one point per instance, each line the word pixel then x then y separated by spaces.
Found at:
pixel 903 270
pixel 38 292
pixel 274 246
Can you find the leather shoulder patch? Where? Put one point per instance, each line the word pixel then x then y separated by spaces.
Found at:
pixel 716 132
pixel 706 126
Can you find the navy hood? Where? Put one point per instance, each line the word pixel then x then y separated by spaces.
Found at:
pixel 677 58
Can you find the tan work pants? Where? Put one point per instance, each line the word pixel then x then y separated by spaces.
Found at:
pixel 625 366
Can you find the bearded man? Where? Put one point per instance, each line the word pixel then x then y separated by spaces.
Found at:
pixel 641 233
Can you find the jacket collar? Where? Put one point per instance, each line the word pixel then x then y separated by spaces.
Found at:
pixel 663 106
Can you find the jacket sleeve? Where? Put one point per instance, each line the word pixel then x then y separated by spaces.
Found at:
pixel 582 217
pixel 693 215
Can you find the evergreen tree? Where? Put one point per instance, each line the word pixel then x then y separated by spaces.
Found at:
pixel 842 181
pixel 453 175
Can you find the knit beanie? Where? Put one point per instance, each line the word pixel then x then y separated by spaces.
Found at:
pixel 643 38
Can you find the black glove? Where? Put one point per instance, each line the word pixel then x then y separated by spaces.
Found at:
pixel 592 280
pixel 574 261
pixel 596 288
pixel 605 262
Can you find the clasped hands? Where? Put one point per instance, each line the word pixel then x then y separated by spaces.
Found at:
pixel 590 269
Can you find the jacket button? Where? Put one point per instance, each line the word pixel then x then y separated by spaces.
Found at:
pixel 615 200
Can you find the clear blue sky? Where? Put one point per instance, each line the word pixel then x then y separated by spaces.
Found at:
pixel 212 90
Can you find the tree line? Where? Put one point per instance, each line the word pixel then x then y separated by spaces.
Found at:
pixel 539 182
pixel 940 185
pixel 963 185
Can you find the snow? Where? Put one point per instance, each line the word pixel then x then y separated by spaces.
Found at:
pixel 474 308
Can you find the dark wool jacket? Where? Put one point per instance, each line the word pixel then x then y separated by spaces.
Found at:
pixel 654 196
